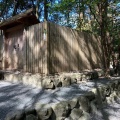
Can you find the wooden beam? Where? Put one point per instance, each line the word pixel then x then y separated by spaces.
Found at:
pixel 15 28
pixel 28 13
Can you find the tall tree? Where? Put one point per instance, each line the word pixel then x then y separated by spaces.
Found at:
pixel 93 16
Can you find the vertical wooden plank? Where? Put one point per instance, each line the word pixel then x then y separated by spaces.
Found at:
pixel 33 49
pixel 26 50
pixel 38 48
pixel 64 60
pixel 40 27
pixel 32 46
pixel 48 49
pixel 41 55
pixel 41 61
pixel 36 44
pixel 50 43
pixel 44 69
pixel 54 27
pixel 30 52
pixel 41 37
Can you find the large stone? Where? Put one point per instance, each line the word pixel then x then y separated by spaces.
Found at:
pixel 44 111
pixel 112 86
pixel 93 107
pixel 68 118
pixel 34 79
pixel 47 83
pixel 78 76
pixel 90 95
pixel 118 88
pixel 84 104
pixel 57 82
pixel 85 116
pixel 83 77
pixel 99 93
pixel 66 80
pixel 30 110
pixel 13 77
pixel 31 117
pixel 60 118
pixel 17 77
pixel 100 72
pixel 76 113
pixel 112 98
pixel 20 115
pixel 61 109
pixel 73 78
pixel 9 76
pixel 89 75
pixel 10 116
pixel 74 103
pixel 25 79
pixel 16 115
pixel 107 91
pixel 116 85
pixel 94 90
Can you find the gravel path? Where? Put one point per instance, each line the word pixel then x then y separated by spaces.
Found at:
pixel 108 112
pixel 17 96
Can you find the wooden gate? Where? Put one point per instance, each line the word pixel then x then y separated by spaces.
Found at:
pixel 14 50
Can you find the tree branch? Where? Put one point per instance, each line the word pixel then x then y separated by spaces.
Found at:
pixel 94 15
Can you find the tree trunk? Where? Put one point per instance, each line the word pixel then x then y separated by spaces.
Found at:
pixel 45 10
pixel 104 38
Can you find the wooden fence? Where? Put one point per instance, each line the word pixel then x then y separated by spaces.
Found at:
pixel 36 48
pixel 50 48
pixel 71 50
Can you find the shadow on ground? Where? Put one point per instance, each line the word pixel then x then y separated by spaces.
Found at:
pixel 17 96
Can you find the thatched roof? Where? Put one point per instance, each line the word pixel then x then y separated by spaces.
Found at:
pixel 28 17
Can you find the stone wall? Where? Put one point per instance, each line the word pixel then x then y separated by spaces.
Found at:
pixel 52 81
pixel 78 108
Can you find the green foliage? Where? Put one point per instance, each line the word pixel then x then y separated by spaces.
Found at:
pixel 12 7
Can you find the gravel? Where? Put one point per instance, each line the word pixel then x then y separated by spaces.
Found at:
pixel 17 96
pixel 108 112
